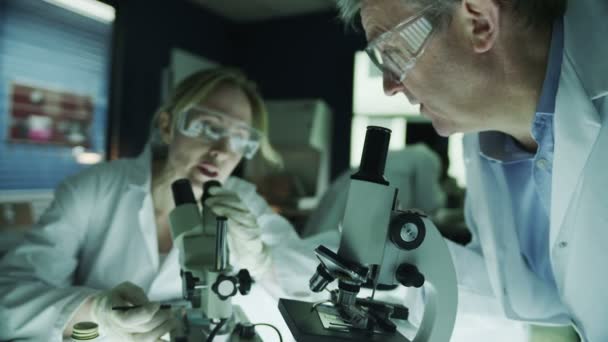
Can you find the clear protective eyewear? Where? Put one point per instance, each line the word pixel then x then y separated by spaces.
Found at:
pixel 397 50
pixel 211 126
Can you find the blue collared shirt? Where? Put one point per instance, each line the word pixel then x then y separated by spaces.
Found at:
pixel 529 174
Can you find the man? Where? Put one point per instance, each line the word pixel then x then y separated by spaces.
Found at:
pixel 528 81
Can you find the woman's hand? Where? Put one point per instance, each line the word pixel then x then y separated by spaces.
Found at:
pixel 146 322
pixel 244 233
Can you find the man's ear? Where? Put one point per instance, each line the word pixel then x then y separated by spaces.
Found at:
pixel 481 19
pixel 165 127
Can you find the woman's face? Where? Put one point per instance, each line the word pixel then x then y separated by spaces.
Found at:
pixel 200 159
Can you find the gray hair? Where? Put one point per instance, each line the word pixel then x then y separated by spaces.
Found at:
pixel 534 13
pixel 438 10
pixel 348 10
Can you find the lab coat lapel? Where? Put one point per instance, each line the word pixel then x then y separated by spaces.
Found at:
pixel 147 227
pixel 140 176
pixel 137 263
pixel 167 282
pixel 576 129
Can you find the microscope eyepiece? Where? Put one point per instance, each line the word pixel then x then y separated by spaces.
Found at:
pixel 208 185
pixel 182 192
pixel 373 159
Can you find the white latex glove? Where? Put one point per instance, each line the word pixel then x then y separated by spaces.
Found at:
pixel 244 233
pixel 145 323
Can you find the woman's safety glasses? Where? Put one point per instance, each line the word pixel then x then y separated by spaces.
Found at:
pixel 397 50
pixel 211 126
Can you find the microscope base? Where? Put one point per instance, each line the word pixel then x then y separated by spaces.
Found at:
pixel 198 330
pixel 304 323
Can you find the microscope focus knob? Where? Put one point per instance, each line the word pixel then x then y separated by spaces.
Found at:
pixel 407 230
pixel 320 279
pixel 409 276
pixel 224 286
pixel 245 281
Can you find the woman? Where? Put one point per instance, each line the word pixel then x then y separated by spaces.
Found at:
pixel 109 224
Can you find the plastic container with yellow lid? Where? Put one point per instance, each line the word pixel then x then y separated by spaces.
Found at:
pixel 85 331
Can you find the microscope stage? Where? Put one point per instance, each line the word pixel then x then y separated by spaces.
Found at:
pixel 306 326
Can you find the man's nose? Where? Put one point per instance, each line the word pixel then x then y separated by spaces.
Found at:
pixel 391 84
pixel 221 146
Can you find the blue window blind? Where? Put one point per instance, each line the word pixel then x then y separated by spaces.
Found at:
pixel 47 46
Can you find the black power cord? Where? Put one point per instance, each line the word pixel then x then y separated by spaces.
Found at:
pixel 215 330
pixel 246 330
pixel 271 326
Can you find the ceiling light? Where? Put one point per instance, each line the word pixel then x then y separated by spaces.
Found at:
pixel 90 8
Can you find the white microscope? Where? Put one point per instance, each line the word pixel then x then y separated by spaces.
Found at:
pixel 380 247
pixel 208 280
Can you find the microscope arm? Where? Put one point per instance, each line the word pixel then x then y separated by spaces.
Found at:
pixel 433 260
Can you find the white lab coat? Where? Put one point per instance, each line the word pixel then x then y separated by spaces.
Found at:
pixel 99 232
pixel 492 266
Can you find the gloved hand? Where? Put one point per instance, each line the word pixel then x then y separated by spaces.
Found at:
pixel 145 323
pixel 244 233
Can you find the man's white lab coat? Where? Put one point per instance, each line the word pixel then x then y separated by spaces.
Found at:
pixel 493 266
pixel 98 232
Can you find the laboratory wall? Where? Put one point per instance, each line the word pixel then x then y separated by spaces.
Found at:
pixel 49 48
pixel 308 56
pixel 147 31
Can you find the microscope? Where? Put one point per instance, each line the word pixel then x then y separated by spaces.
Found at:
pixel 208 280
pixel 380 247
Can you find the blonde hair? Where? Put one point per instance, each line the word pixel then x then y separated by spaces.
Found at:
pixel 196 88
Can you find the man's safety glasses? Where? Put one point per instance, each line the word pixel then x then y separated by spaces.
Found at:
pixel 211 126
pixel 397 50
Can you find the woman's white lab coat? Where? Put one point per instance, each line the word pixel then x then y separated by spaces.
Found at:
pixel 492 266
pixel 100 231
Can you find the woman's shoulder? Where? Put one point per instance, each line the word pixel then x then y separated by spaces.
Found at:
pixel 102 176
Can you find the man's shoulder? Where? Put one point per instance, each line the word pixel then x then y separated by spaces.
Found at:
pixel 585 32
pixel 101 177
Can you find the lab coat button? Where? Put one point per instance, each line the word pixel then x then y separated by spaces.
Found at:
pixel 541 164
pixel 563 244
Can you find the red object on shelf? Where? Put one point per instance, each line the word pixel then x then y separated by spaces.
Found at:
pixel 46 116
